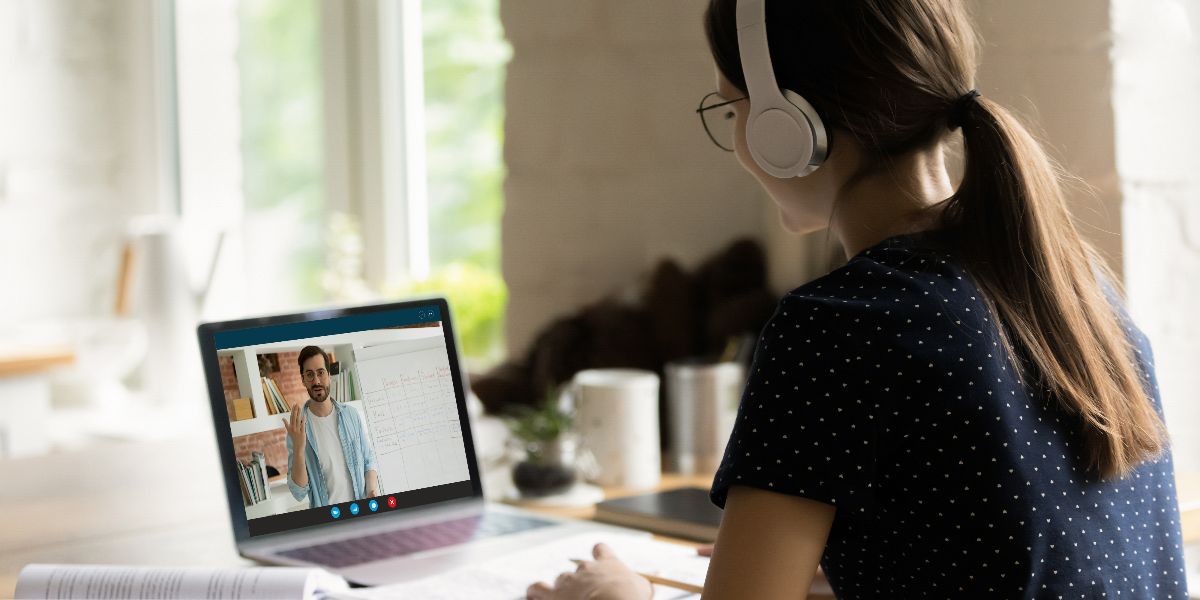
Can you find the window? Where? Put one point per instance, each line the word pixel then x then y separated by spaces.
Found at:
pixel 349 150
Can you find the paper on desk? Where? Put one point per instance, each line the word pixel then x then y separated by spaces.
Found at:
pixel 507 577
pixel 114 581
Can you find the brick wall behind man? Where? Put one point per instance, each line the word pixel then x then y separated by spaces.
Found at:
pixel 229 378
pixel 230 383
pixel 288 378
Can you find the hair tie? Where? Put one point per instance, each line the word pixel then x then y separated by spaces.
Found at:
pixel 958 112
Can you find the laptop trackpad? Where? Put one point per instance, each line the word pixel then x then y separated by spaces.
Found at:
pixel 426 563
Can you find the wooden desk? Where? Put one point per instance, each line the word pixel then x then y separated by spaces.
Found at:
pixel 120 503
pixel 162 503
pixel 158 503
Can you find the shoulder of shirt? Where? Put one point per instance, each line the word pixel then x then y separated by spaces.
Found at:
pixel 866 287
pixel 876 269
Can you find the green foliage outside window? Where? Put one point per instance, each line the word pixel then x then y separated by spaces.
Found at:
pixel 477 298
pixel 465 54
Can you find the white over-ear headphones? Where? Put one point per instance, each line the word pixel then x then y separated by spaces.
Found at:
pixel 785 134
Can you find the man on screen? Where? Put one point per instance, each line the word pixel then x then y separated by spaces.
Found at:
pixel 330 459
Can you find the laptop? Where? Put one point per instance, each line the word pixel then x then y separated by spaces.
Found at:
pixel 396 366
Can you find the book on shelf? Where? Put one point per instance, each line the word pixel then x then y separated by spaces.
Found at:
pixel 276 403
pixel 247 486
pixel 240 409
pixel 279 399
pixel 259 461
pixel 116 581
pixel 244 485
pixel 351 385
pixel 253 478
pixel 342 386
pixel 683 512
pixel 267 397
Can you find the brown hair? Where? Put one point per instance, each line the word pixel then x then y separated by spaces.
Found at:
pixel 889 73
pixel 308 352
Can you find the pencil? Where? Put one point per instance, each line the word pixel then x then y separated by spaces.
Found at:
pixel 679 585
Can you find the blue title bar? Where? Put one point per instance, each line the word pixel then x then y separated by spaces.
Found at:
pixel 269 334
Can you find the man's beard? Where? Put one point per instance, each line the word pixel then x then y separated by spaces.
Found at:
pixel 324 394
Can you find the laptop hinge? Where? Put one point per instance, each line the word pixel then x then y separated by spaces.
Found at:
pixel 400 520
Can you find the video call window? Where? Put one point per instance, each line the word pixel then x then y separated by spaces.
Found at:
pixel 390 424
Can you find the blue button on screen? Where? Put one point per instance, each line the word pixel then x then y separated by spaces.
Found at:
pixel 374 506
pixel 335 512
pixel 354 508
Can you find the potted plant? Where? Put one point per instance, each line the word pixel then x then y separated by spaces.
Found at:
pixel 544 433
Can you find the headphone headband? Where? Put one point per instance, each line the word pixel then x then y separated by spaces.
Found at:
pixel 756 54
pixel 785 135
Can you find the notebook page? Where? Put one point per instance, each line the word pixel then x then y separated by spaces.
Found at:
pixel 111 581
pixel 508 576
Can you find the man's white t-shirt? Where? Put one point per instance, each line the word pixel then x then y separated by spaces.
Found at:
pixel 332 458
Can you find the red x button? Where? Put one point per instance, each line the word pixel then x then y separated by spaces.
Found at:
pixel 391 502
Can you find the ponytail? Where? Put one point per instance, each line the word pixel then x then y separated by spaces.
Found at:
pixel 890 75
pixel 1009 222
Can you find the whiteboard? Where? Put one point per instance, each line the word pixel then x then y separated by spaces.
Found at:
pixel 412 414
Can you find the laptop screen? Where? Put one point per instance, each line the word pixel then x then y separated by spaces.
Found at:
pixel 340 417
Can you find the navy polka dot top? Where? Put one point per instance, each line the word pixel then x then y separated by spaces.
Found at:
pixel 883 389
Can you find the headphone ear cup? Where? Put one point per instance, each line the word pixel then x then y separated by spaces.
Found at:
pixel 816 127
pixel 779 140
pixel 788 138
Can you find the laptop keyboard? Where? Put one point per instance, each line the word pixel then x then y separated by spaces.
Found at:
pixel 402 542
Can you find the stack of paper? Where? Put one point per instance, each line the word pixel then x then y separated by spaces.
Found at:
pixel 507 577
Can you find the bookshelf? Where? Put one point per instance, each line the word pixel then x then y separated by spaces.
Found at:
pixel 348 373
pixel 245 362
pixel 281 501
pixel 257 424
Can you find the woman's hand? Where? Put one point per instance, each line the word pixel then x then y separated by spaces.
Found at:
pixel 606 578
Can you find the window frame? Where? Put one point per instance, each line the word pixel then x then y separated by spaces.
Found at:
pixel 374 112
pixel 373 147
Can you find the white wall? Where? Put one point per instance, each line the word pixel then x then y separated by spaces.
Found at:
pixel 78 150
pixel 1049 62
pixel 609 169
pixel 1157 80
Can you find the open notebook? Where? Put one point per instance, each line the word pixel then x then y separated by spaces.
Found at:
pixel 506 578
pixel 239 583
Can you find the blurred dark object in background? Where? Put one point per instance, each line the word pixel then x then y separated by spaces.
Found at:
pixel 679 315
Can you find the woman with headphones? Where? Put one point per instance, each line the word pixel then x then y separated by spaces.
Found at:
pixel 962 410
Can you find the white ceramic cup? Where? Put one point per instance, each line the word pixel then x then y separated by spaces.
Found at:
pixel 616 415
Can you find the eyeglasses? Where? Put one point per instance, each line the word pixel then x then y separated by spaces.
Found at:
pixel 312 375
pixel 718 124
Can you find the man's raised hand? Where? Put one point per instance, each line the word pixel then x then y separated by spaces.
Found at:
pixel 295 428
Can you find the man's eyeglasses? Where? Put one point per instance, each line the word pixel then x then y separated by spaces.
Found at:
pixel 313 375
pixel 718 119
